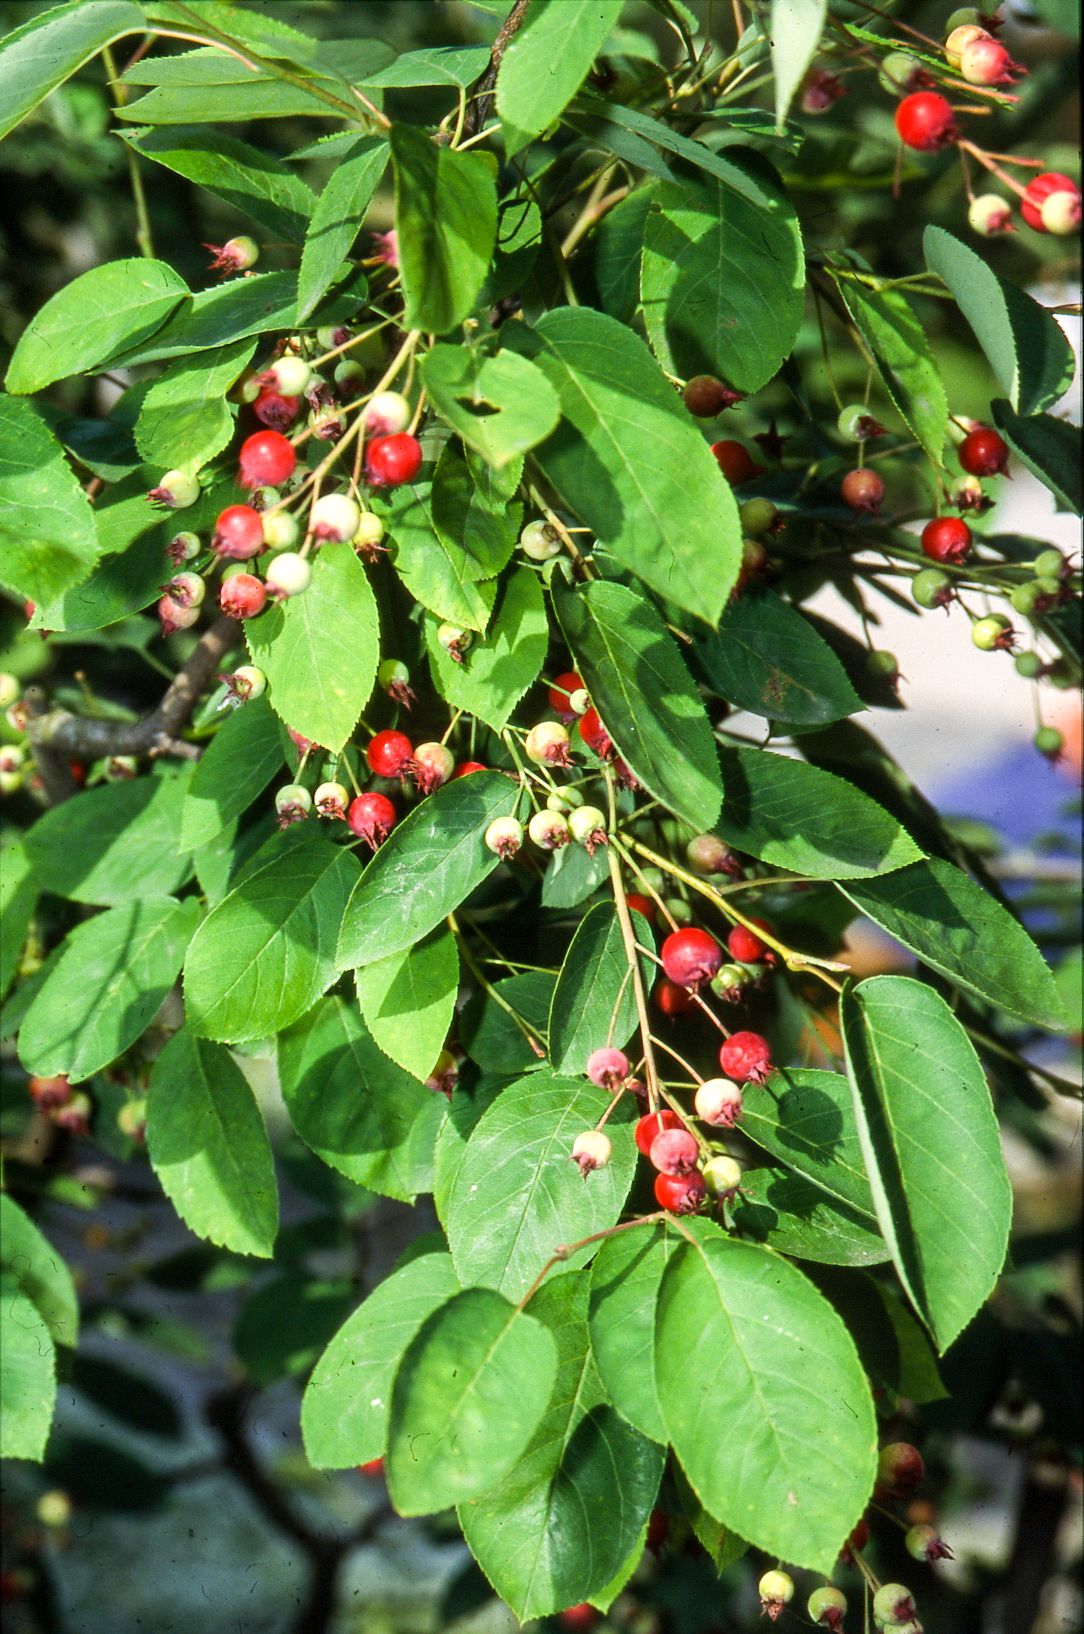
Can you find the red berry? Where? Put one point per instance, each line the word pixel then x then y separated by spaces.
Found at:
pixel 238 533
pixel 672 999
pixel 925 122
pixel 374 1467
pixel 595 735
pixel 1051 181
pixel 561 691
pixel 49 1093
pixel 272 409
pixel 243 596
pixel 390 461
pixel 465 768
pixel 372 818
pixel 900 1469
pixel 652 1125
pixel 267 457
pixel 855 1543
pixel 674 1152
pixel 642 904
pixel 746 947
pixel 680 1193
pixel 690 956
pixel 390 754
pixel 658 1527
pixel 746 1058
pixel 946 539
pixel 735 461
pixel 983 453
pixel 862 490
pixel 579 1617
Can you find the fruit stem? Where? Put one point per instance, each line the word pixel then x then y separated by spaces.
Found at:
pixel 985 159
pixel 629 937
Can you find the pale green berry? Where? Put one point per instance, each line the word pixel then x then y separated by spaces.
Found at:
pixel 280 531
pixel 540 541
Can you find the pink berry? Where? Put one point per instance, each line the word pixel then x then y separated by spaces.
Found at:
pixel 718 1102
pixel 675 1151
pixel 547 744
pixel 652 1125
pixel 690 956
pixel 176 615
pixel 863 490
pixel 608 1068
pixel 390 461
pixel 372 818
pixel 387 414
pixel 176 491
pixel 267 458
pixel 925 121
pixel 680 1193
pixel 330 801
pixel 746 1058
pixel 924 1543
pixel 391 754
pixel 238 534
pixel 433 766
pixel 708 854
pixel 820 89
pixel 893 1604
pixel 49 1093
pixel 242 596
pixel 334 518
pixel 985 61
pixel 1060 213
pixel 989 215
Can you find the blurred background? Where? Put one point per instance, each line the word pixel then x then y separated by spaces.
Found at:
pixel 176 1495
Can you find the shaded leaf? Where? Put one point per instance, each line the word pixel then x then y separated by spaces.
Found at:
pixel 765 657
pixel 235 768
pixel 594 1003
pixel 502 663
pixel 337 218
pixel 117 841
pixel 38 1270
pixel 446 223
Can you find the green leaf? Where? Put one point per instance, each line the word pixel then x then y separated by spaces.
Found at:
pixel 644 694
pixel 47 50
pixel 1049 447
pixel 1024 344
pixel 185 419
pixel 264 955
pixel 594 1003
pixel 959 929
pixel 789 1213
pixel 812 822
pixel 18 901
pixel 91 319
pixel 432 65
pixel 904 356
pixel 765 657
pixel 562 1522
pixel 446 222
pixel 474 521
pixel 354 1107
pixel 209 1148
pixel 772 1360
pixel 212 87
pixel 115 842
pixel 235 768
pixel 625 1281
pixel 468 1395
pixel 805 1119
pixel 546 62
pixel 500 405
pixel 27 1377
pixel 931 1146
pixel 436 572
pixel 518 1195
pixel 243 177
pixel 344 1411
pixel 337 219
pixel 893 1345
pixel 429 865
pixel 284 1324
pixel 320 651
pixel 614 248
pixel 493 1038
pixel 794 35
pixel 408 1000
pixel 502 663
pixel 628 460
pixel 106 987
pixel 37 1270
pixel 47 537
pixel 721 282
pixel 723 1546
pixel 464 1110
pixel 261 303
pixel 572 875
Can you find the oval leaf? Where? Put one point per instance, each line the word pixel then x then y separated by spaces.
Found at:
pixel 408 1000
pixel 594 1004
pixel 118 841
pixel 565 35
pixel 33 1265
pixel 501 405
pixel 502 663
pixel 805 1119
pixel 27 1376
pixel 904 357
pixel 791 1214
pixel 234 769
pixel 48 540
pixel 765 657
pixel 625 1280
pixel 446 223
pixel 337 219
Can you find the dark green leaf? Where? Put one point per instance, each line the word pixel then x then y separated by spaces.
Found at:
pixel 37 1270
pixel 432 65
pixel 337 219
pixel 805 1119
pixel 446 222
pixel 893 1345
pixel 765 657
pixel 18 900
pixel 474 521
pixel 236 767
pixel 791 1214
pixel 904 357
pixel 493 1038
pixel 594 1004
pixel 284 1325
pixel 256 305
pixel 625 1281
pixel 502 663
pixel 118 841
pixel 1049 447
pixel 243 177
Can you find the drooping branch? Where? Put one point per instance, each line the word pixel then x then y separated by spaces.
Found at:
pixel 481 92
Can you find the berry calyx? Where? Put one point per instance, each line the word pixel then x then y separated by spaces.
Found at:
pixel 504 836
pixel 946 539
pixel 893 1605
pixel 186 588
pixel 391 461
pixel 863 490
pixel 454 641
pixel 49 1093
pixel 75 1115
pixel 983 452
pixel 183 547
pixel 275 410
pixel 595 735
pixel 932 588
pixel 591 1150
pixel 989 215
pixel 371 817
pixel 288 574
pixel 690 956
pixel 1039 190
pixel 993 633
pixel 826 1607
pixel 540 542
pixel 674 1151
pixel 857 424
pixel 391 754
pixel 708 854
pixel 776 1590
pixel 394 678
pixel 652 1125
pixel 238 534
pixel 293 804
pixel 331 800
pixel 746 1058
pixel 560 694
pixel 387 414
pixel 900 1469
pixel 718 1102
pixel 966 494
pixel 243 683
pixel 705 397
pixel 547 744
pixel 587 825
pixel 608 1068
pixel 434 764
pixel 924 1543
pixel 680 1193
pixel 235 255
pixel 266 457
pixel 549 830
pixel 735 462
pixel 745 946
pixel 242 596
pixel 925 122
pixel 334 518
